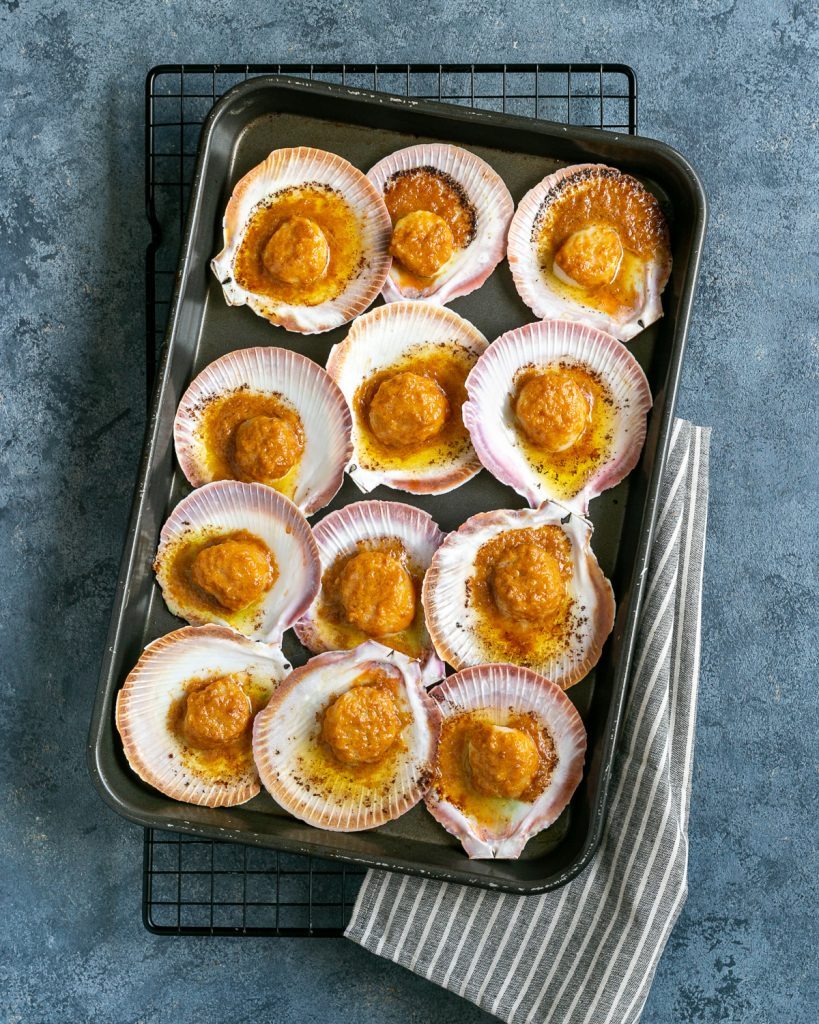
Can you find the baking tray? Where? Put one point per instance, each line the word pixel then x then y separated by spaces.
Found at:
pixel 268 112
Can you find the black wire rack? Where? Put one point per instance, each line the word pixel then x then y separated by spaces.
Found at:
pixel 195 886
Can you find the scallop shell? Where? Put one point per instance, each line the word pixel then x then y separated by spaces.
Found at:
pixel 454 624
pixel 532 285
pixel 490 418
pixel 501 689
pixel 338 534
pixel 470 267
pixel 380 339
pixel 228 506
pixel 288 168
pixel 288 726
pixel 305 386
pixel 157 681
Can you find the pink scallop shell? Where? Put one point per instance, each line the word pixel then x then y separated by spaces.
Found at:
pixel 378 340
pixel 157 680
pixel 466 270
pixel 501 689
pixel 533 287
pixel 289 721
pixel 302 384
pixel 286 168
pixel 454 625
pixel 338 533
pixel 226 506
pixel 490 419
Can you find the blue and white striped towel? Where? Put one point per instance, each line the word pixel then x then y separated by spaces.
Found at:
pixel 586 954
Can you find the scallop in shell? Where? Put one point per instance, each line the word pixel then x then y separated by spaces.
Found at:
pixel 185 713
pixel 347 741
pixel 374 555
pixel 522 587
pixel 450 212
pixel 591 243
pixel 266 415
pixel 306 241
pixel 509 758
pixel 558 411
pixel 240 555
pixel 402 369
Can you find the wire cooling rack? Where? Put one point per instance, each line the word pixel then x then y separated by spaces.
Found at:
pixel 200 886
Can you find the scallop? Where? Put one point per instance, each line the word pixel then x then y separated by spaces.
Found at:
pixel 347 741
pixel 185 711
pixel 591 243
pixel 402 369
pixel 558 411
pixel 306 241
pixel 450 212
pixel 374 555
pixel 509 758
pixel 266 415
pixel 239 555
pixel 522 587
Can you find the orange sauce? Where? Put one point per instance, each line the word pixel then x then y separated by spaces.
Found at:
pixel 448 365
pixel 452 779
pixel 220 421
pixel 332 214
pixel 614 201
pixel 568 471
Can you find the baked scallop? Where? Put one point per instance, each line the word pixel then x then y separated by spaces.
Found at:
pixel 522 587
pixel 374 555
pixel 450 212
pixel 270 416
pixel 186 710
pixel 348 740
pixel 509 758
pixel 591 243
pixel 239 555
pixel 402 369
pixel 558 411
pixel 306 240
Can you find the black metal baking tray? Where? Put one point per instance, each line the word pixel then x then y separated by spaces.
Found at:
pixel 251 119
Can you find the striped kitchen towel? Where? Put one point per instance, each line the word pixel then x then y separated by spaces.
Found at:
pixel 586 953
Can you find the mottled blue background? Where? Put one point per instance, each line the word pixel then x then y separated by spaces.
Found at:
pixel 734 86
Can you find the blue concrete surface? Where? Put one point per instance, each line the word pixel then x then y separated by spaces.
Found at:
pixel 731 84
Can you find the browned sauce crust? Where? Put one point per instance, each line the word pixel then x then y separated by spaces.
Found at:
pixel 297 231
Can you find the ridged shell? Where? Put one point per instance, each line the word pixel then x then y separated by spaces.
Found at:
pixel 287 168
pixel 288 727
pixel 338 534
pixel 157 681
pixel 305 386
pixel 534 288
pixel 470 267
pixel 502 689
pixel 228 506
pixel 379 340
pixel 454 624
pixel 490 417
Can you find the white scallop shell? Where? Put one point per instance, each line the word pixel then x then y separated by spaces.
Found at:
pixel 470 267
pixel 289 724
pixel 287 168
pixel 490 417
pixel 533 286
pixel 454 624
pixel 303 385
pixel 227 506
pixel 338 534
pixel 502 689
pixel 380 339
pixel 158 680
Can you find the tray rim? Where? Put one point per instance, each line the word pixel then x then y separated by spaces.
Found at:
pixel 548 129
